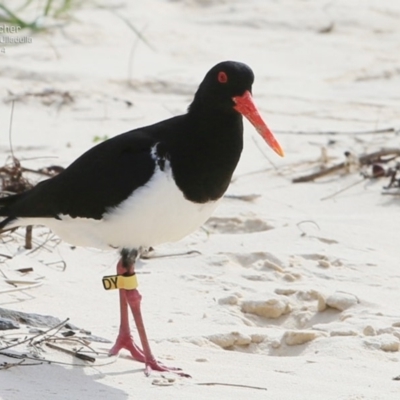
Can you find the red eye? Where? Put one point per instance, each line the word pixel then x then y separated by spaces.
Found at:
pixel 222 77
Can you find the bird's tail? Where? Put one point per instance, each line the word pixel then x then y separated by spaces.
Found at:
pixel 5 203
pixel 9 200
pixel 5 222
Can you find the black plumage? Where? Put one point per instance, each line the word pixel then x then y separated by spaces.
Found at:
pixel 203 147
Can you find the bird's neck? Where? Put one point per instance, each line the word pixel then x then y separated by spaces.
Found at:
pixel 205 160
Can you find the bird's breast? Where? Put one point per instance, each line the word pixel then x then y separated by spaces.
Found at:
pixel 155 213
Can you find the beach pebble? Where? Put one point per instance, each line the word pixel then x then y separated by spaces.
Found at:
pixel 290 277
pixel 324 263
pixel 369 331
pixel 385 342
pixel 228 300
pixel 241 339
pixel 272 308
pixel 226 340
pixel 201 360
pixel 267 264
pixel 294 338
pixel 341 301
pixel 275 344
pixel 285 291
pixel 257 338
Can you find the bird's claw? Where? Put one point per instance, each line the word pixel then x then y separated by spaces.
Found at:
pixel 126 342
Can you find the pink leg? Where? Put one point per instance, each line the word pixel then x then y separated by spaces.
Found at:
pixel 124 339
pixel 134 298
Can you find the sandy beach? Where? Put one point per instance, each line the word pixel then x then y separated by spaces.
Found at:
pixel 291 290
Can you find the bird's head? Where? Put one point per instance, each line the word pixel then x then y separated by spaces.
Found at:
pixel 228 87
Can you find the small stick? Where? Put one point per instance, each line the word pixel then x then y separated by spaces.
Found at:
pixel 42 245
pixel 22 363
pixel 58 327
pixel 25 270
pixel 21 288
pixel 5 256
pixel 364 159
pixel 75 340
pixel 10 365
pixel 28 237
pixel 147 256
pixel 230 384
pixel 12 355
pixel 81 356
pixel 244 197
pixel 34 171
pixel 309 221
pixel 22 357
pixel 318 174
pixel 62 262
pixel 380 153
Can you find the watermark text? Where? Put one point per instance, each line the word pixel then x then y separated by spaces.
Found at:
pixel 10 35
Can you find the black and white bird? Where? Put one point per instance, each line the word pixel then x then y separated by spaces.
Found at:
pixel 148 186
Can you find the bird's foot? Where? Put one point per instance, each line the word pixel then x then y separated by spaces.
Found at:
pixel 154 365
pixel 125 341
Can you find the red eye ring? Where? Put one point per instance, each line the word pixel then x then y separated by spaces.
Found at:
pixel 222 77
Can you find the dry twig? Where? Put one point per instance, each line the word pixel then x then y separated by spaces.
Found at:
pixel 230 384
pixel 57 327
pixel 76 354
pixel 365 159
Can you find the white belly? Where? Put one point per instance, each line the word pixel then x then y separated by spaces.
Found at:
pixel 156 213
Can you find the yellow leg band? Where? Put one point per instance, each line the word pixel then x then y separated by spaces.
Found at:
pixel 112 282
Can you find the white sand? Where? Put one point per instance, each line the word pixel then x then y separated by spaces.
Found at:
pixel 260 292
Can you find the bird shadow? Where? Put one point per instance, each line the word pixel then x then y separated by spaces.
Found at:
pixel 57 383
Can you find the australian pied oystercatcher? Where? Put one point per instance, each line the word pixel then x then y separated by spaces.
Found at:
pixel 148 186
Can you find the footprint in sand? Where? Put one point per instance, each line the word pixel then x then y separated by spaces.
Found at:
pixel 264 266
pixel 236 225
pixel 291 319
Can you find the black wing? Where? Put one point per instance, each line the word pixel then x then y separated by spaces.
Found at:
pixel 101 178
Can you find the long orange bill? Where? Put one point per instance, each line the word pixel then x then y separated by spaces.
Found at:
pixel 246 106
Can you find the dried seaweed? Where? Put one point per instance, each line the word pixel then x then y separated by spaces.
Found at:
pixel 372 166
pixel 58 337
pixel 14 181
